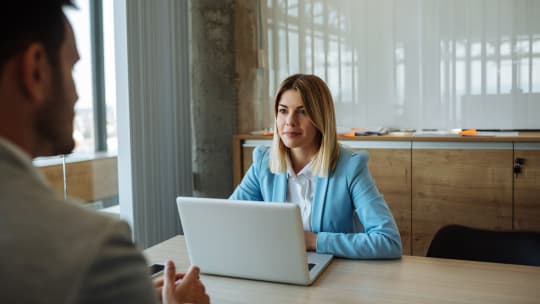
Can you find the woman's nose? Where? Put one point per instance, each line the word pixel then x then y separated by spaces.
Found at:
pixel 290 119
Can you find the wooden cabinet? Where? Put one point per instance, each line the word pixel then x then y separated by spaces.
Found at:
pixel 527 186
pixel 432 182
pixel 459 183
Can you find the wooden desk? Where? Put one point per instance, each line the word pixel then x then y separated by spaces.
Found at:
pixel 409 280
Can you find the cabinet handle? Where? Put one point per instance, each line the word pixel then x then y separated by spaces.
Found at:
pixel 518 162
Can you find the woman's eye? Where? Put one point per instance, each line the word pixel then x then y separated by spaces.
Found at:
pixel 282 111
pixel 303 112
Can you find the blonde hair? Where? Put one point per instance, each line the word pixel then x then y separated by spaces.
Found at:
pixel 319 107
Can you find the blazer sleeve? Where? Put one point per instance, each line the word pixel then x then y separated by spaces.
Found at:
pixel 250 188
pixel 119 272
pixel 380 238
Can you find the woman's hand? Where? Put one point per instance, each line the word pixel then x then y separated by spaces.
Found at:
pixel 311 241
pixel 189 289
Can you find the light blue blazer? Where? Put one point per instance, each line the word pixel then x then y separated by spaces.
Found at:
pixel 349 215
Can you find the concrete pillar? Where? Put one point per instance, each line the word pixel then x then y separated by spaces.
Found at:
pixel 214 104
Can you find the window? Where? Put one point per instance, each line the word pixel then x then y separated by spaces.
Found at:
pixel 89 174
pixel 110 76
pixel 83 131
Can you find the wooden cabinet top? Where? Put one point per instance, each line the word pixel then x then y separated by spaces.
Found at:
pixel 522 137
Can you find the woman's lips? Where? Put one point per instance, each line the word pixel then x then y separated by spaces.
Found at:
pixel 291 134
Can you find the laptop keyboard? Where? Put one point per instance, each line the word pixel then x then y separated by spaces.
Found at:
pixel 310 265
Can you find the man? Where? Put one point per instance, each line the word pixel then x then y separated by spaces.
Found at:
pixel 55 251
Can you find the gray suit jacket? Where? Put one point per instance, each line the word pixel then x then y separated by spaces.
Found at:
pixel 53 251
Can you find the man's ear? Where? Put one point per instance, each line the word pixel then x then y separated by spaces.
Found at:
pixel 36 73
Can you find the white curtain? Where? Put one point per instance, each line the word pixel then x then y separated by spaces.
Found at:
pixel 411 63
pixel 154 127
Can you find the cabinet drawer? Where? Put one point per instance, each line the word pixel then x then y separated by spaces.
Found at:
pixel 467 184
pixel 527 187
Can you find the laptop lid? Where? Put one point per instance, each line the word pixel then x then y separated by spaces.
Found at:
pixel 252 240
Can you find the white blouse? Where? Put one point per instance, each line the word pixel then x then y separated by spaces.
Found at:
pixel 300 191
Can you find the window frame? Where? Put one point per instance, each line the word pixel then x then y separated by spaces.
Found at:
pixel 98 76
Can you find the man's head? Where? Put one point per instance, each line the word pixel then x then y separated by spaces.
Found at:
pixel 37 92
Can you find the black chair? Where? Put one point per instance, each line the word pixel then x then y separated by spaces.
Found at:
pixel 466 243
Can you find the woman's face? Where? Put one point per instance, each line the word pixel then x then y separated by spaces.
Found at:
pixel 294 126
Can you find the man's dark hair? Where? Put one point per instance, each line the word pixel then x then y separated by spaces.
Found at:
pixel 26 22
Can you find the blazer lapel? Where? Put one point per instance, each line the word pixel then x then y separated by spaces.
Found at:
pixel 319 200
pixel 280 188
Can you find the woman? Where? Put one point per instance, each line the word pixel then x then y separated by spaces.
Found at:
pixel 343 213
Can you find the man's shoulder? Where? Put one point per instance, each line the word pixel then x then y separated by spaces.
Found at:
pixel 59 239
pixel 26 197
pixel 36 215
pixel 40 216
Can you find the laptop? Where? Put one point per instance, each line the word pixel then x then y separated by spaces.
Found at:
pixel 250 240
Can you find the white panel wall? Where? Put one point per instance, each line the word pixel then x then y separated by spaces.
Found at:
pixel 412 63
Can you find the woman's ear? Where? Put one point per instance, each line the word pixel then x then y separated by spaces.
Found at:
pixel 35 73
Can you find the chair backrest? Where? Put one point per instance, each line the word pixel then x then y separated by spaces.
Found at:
pixel 466 243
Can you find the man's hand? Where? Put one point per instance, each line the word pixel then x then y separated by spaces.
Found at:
pixel 311 241
pixel 189 289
